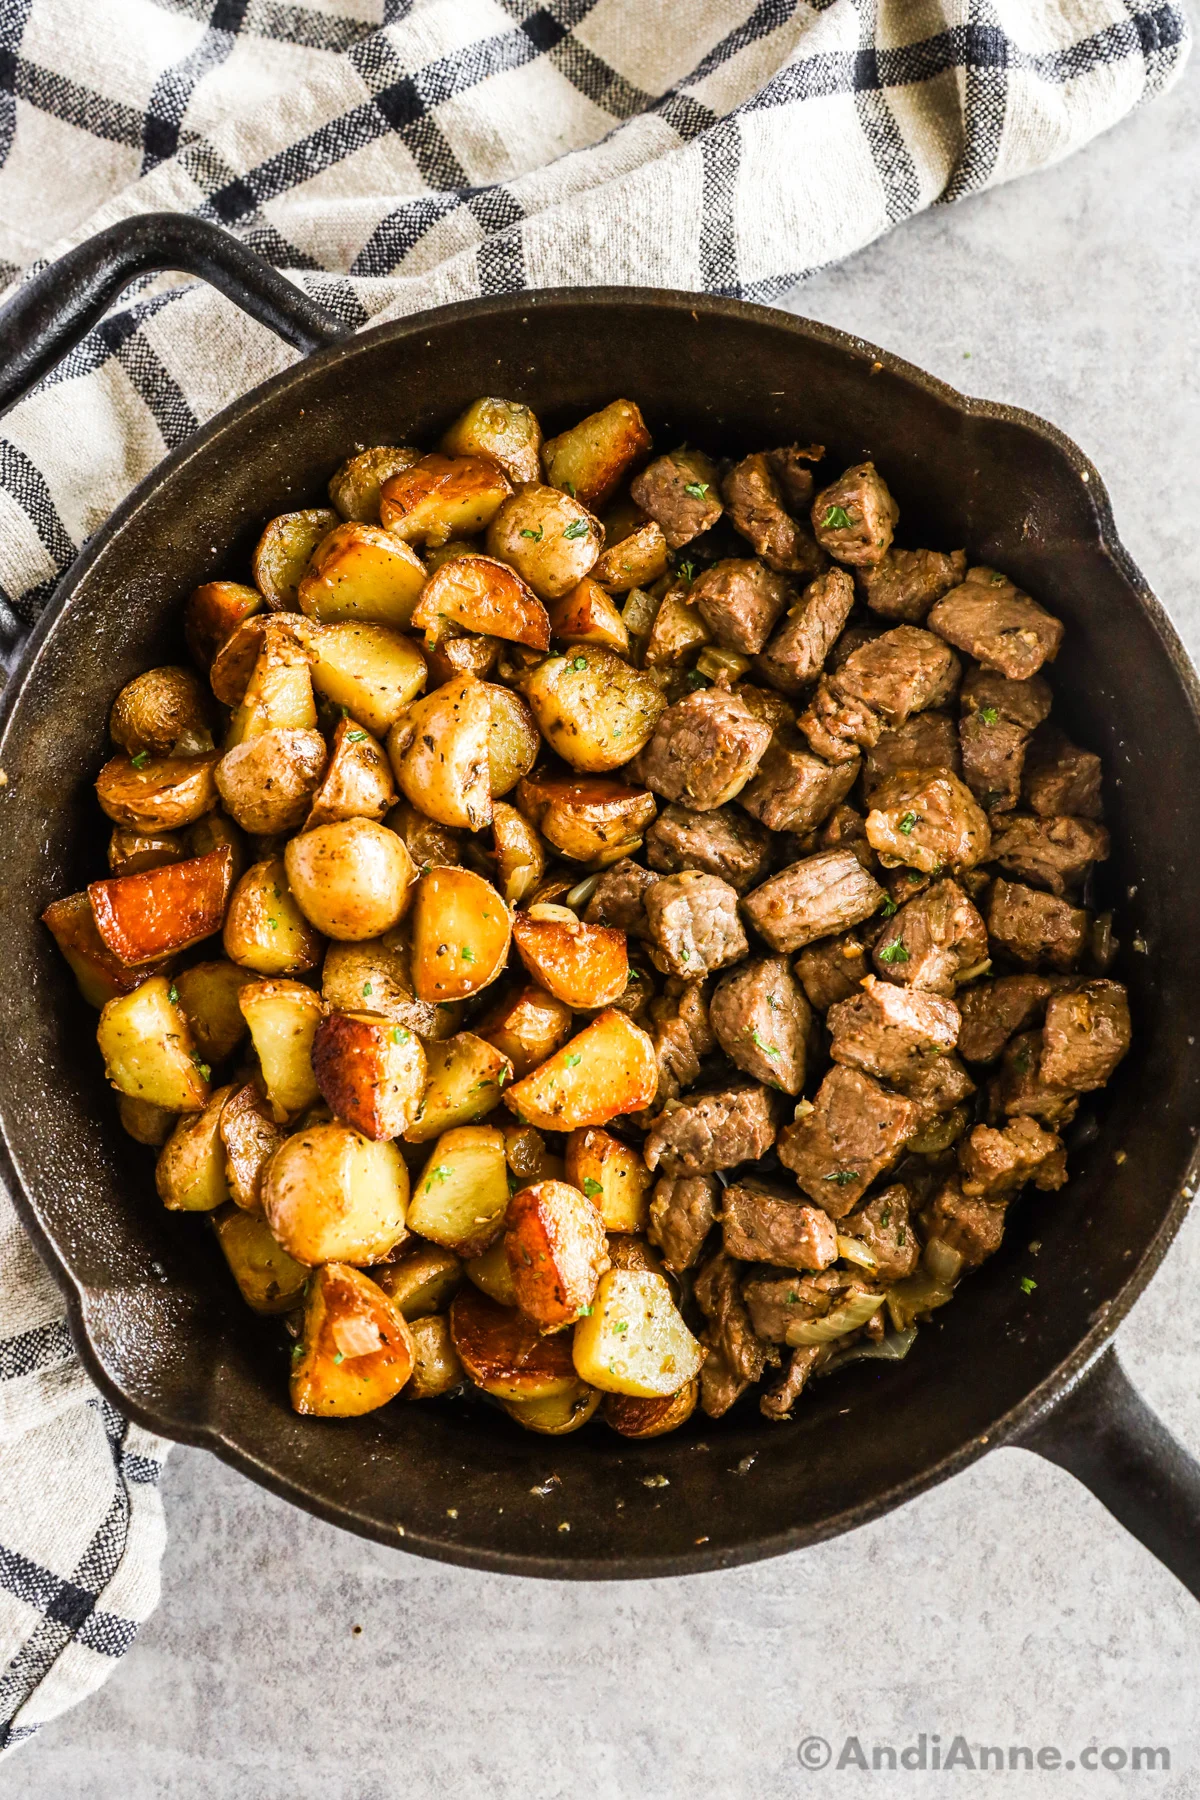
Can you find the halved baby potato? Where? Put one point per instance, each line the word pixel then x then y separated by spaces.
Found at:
pixel 356 1352
pixel 251 1137
pixel 464 1078
pixel 461 931
pixel 502 429
pixel 352 880
pixel 555 1415
pixel 437 1369
pixel 455 656
pixel 283 551
pixel 439 753
pixel 582 965
pixel 148 1050
pixel 677 631
pixel 608 1069
pixel 635 1341
pixel 491 1274
pixel 283 1017
pixel 278 694
pixel 428 842
pixel 590 459
pixel 593 819
pixel 101 975
pixel 354 487
pixel 267 782
pixel 443 497
pixel 460 1198
pixel 190 1173
pixel 547 537
pixel 370 670
pixel 270 1280
pixel 527 1027
pixel 613 1176
pixel 513 741
pixel 362 572
pixel 557 1251
pixel 505 1354
pixel 483 595
pixel 593 708
pixel 207 994
pixel 519 852
pixel 265 930
pixel 160 793
pixel 370 1072
pixel 213 612
pixel 637 561
pixel 421 1280
pixel 131 852
pixel 357 783
pixel 638 1418
pixel 331 1195
pixel 162 712
pixel 376 976
pixel 146 1123
pixel 586 615
pixel 142 918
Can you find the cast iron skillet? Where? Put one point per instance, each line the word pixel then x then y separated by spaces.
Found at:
pixel 152 1307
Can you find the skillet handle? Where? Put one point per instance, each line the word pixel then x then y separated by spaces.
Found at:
pixel 49 314
pixel 1105 1435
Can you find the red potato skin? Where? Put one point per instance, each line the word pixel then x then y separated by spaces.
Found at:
pixel 371 1073
pixel 484 596
pixel 143 917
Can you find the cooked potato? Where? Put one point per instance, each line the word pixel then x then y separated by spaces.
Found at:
pixel 213 613
pixel 638 561
pixel 370 1071
pixel 513 741
pixel 586 615
pixel 464 1076
pixel 283 1017
pixel 283 551
pixel 101 975
pixel 480 594
pixel 634 1341
pixel 505 1354
pixel 279 692
pixel 421 1280
pixel 592 820
pixel 354 488
pixel 164 712
pixel 590 459
pixel 638 616
pixel 146 1123
pixel 132 852
pixel 207 995
pixel 456 656
pixel 357 784
pixel 362 572
pixel 356 1352
pixel 520 855
pixel 250 1137
pixel 190 1172
pixel 428 842
pixel 461 931
pixel 555 1414
pixel 581 965
pixel 613 1176
pixel 631 1252
pixel 638 1418
pixel 371 670
pixel 527 1028
pixel 331 1195
pixel 608 1069
pixel 148 1050
pixel 502 429
pixel 143 918
pixel 437 1369
pixel 439 754
pixel 593 708
pixel 265 930
pixel 233 664
pixel 557 1251
pixel 376 976
pixel 158 793
pixel 678 629
pixel 491 1274
pixel 211 832
pixel 528 1158
pixel 268 782
pixel 353 880
pixel 461 1196
pixel 548 538
pixel 442 497
pixel 270 1280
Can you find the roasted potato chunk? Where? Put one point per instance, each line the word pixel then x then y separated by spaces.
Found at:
pixel 213 613
pixel 190 1173
pixel 143 918
pixel 207 994
pixel 101 975
pixel 356 1352
pixel 283 1017
pixel 505 1354
pixel 270 1280
pixel 582 965
pixel 251 1137
pixel 234 660
pixel 265 929
pixel 464 1076
pixel 352 880
pixel 556 1414
pixel 158 793
pixel 370 1072
pixel 513 741
pixel 527 1027
pixel 370 670
pixel 590 459
pixel 637 1418
pixel 421 1280
pixel 439 753
pixel 146 1123
pixel 557 1251
pixel 520 855
pixel 133 852
pixel 613 1176
pixel 455 656
pixel 483 595
pixel 267 783
pixel 331 1195
pixel 376 976
pixel 428 842
pixel 164 712
pixel 677 631
pixel 594 820
pixel 362 572
pixel 461 931
pixel 593 708
pixel 212 832
pixel 638 561
pixel 586 615
pixel 461 1197
pixel 491 1274
pixel 148 1050
pixel 279 693
pixel 437 1369
pixel 635 1341
pixel 609 1068
pixel 357 784
pixel 502 429
pixel 443 497
pixel 283 551
pixel 548 538
pixel 354 487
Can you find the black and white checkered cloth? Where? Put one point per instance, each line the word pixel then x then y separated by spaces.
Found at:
pixel 392 155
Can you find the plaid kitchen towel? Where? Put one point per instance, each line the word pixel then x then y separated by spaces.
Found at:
pixel 392 155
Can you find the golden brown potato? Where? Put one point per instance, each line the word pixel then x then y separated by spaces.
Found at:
pixel 548 538
pixel 132 852
pixel 371 670
pixel 461 1196
pixel 250 1137
pixel 357 784
pixel 207 995
pixel 190 1172
pixel 527 1027
pixel 281 556
pixel 464 1076
pixel 283 1017
pixel 557 1251
pixel 480 594
pixel 356 1352
pixel 491 1274
pixel 376 976
pixel 556 1414
pixel 265 929
pixel 158 793
pixel 146 1123
pixel 370 1072
pixel 164 712
pixel 270 1280
pixel 437 1369
pixel 143 918
pixel 354 488
pixel 279 692
pixel 456 656
pixel 638 561
pixel 439 754
pixel 502 429
pixel 267 783
pixel 443 497
pixel 593 708
pixel 519 852
pixel 362 572
pixel 211 832
pixel 593 819
pixel 636 1418
pixel 461 931
pixel 504 1353
pixel 513 741
pixel 632 1252
pixel 234 659
pixel 421 1280
pixel 677 631
pixel 590 459
pixel 331 1195
pixel 101 975
pixel 634 1341
pixel 613 1176
pixel 428 842
pixel 581 965
pixel 212 613
pixel 148 1050
pixel 586 615
pixel 352 879
pixel 608 1069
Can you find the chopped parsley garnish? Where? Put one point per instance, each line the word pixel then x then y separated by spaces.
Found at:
pixel 569 488
pixel 202 1066
pixel 1027 1284
pixel 141 759
pixel 843 1177
pixel 173 994
pixel 905 827
pixel 367 990
pixel 621 1327
pixel 435 1175
pixel 535 535
pixel 988 714
pixel 885 1217
pixel 579 662
pixel 894 953
pixel 573 1062
pixel 576 529
pixel 769 1048
pixel 338 1357
pixel 696 680
pixel 686 572
pixel 274 924
pixel 591 1188
pixel 888 907
pixel 356 737
pixel 999 580
pixel 837 519
pixel 697 489
pixel 399 1035
pixel 468 955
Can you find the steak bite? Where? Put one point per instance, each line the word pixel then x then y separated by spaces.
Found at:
pixel 812 899
pixel 998 718
pixel 679 492
pixel 753 496
pixel 928 821
pixel 722 842
pixel 891 1031
pixel 924 744
pixel 682 1037
pixel 898 674
pixel 741 602
pixel 683 1210
pixel 1061 778
pixel 1033 927
pixel 762 1021
pixel 764 1224
pixel 805 1360
pixel 720 1388
pixel 904 584
pixel 794 790
pixel 837 726
pixel 791 465
pixel 932 939
pixel 796 654
pixel 854 1133
pixel 1086 1034
pixel 1020 1087
pixel 1054 853
pixel 832 970
pixel 846 829
pixel 704 750
pixel 854 517
pixel 936 1087
pixel 994 1165
pixel 971 1226
pixel 619 898
pixel 718 1292
pixel 711 1131
pixel 694 924
pixel 997 624
pixel 993 1010
pixel 882 1224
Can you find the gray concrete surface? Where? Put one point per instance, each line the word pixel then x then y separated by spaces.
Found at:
pixel 289 1660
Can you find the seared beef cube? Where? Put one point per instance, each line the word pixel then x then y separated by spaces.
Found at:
pixel 723 842
pixel 993 1010
pixel 929 821
pixel 905 884
pixel 855 1132
pixel 776 1304
pixel 883 1224
pixel 694 924
pixel 796 654
pixel 1033 927
pixel 813 899
pixel 900 673
pixel 720 1388
pixel 936 1087
pixel 791 466
pixel 854 517
pixel 847 829
pixel 1061 778
pixel 767 706
pixel 718 1292
pixel 926 742
pixel 682 1211
pixel 932 939
pixel 998 625
pixel 736 1124
pixel 679 492
pixel 998 717
pixel 1086 1034
pixel 762 1021
pixel 1053 853
pixel 793 789
pixel 838 727
pixel 619 898
pixel 741 602
pixel 905 583
pixel 1021 1089
pixel 752 492
pixel 682 1036
pixel 777 1402
pixel 832 970
pixel 853 639
pixel 764 1224
pixel 704 750
pixel 972 1227
pixel 994 1165
pixel 891 1031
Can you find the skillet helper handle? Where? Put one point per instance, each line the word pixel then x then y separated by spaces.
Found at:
pixel 49 314
pixel 1105 1435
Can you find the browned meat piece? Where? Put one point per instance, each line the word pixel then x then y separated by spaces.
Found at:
pixel 900 673
pixel 838 727
pixel 765 1224
pixel 883 1224
pixel 735 1124
pixel 791 466
pixel 762 1021
pixel 932 940
pixel 741 602
pixel 813 899
pixel 682 1037
pixel 891 1031
pixel 793 789
pixel 832 970
pixel 756 508
pixel 795 655
pixel 1053 853
pixel 863 631
pixel 994 1165
pixel 718 1293
pixel 682 1212
pixel 806 1359
pixel 936 1087
pixel 723 842
pixel 1086 1034
pixel 776 1303
pixel 929 821
pixel 924 743
pixel 1033 927
pixel 972 1227
pixel 694 924
pixel 998 625
pixel 1061 778
pixel 768 706
pixel 704 750
pixel 619 898
pixel 1020 1087
pixel 679 492
pixel 854 1133
pixel 993 1010
pixel 720 1388
pixel 998 717
pixel 905 583
pixel 854 517
pixel 847 829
